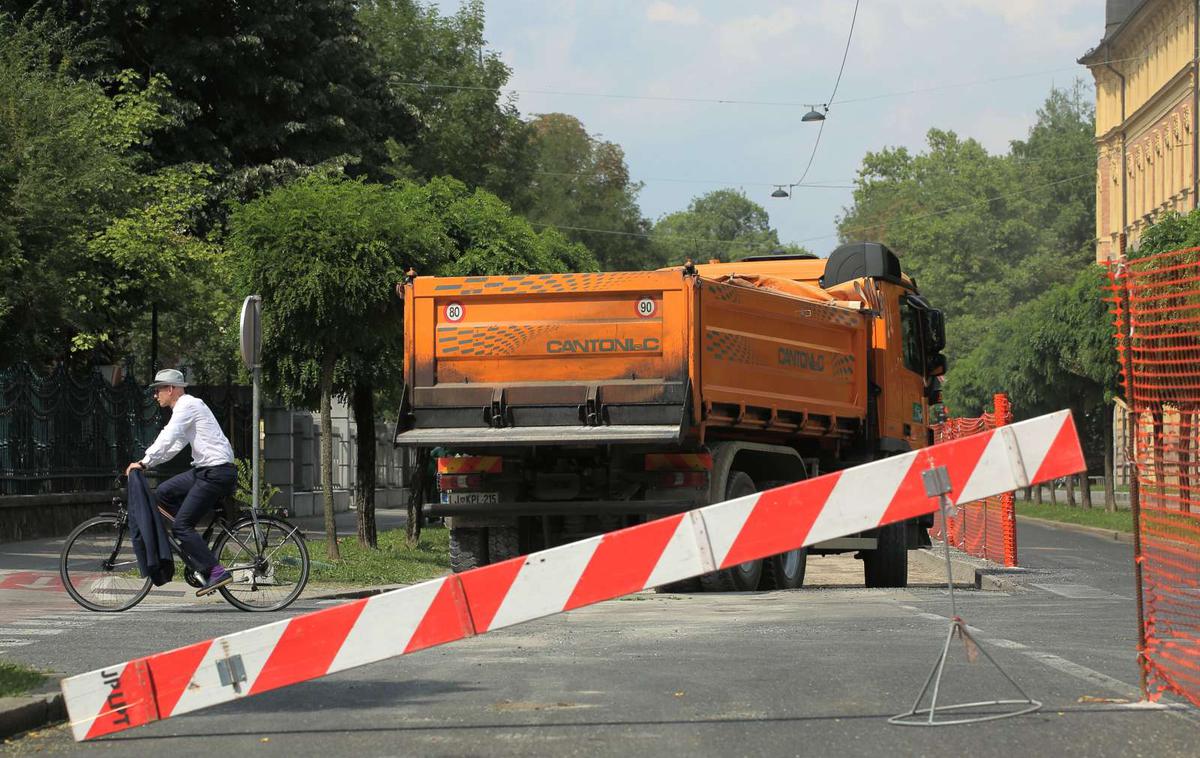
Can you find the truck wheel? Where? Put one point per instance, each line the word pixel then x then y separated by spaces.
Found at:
pixel 743 577
pixel 786 570
pixel 468 548
pixel 887 564
pixel 680 587
pixel 503 542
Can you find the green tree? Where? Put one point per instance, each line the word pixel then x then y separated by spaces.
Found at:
pixel 253 83
pixel 325 254
pixel 1003 244
pixel 438 67
pixel 581 186
pixel 1051 353
pixel 984 233
pixel 1171 231
pixel 723 225
pixel 89 234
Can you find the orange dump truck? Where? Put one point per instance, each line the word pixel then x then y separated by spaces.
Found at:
pixel 565 405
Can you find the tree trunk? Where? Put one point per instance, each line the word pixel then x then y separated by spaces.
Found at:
pixel 416 495
pixel 1071 491
pixel 1053 491
pixel 331 545
pixel 1110 496
pixel 1085 490
pixel 364 492
pixel 1037 494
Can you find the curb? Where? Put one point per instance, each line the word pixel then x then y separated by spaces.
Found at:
pixel 1095 531
pixel 976 572
pixel 357 594
pixel 29 712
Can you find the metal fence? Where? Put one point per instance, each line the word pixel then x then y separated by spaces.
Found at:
pixel 69 433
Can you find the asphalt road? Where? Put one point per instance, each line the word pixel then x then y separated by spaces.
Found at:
pixel 816 671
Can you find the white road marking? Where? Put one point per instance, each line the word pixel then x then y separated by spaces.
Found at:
pixel 1083 673
pixel 17 631
pixel 1079 592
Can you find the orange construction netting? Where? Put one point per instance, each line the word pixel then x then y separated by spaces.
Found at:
pixel 1156 308
pixel 984 528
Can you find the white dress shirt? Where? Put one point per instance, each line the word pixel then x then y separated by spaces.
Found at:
pixel 192 423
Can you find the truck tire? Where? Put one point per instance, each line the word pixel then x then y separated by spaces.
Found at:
pixel 786 570
pixel 503 542
pixel 680 587
pixel 887 564
pixel 468 548
pixel 744 577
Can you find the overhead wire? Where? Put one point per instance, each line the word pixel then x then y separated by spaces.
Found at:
pixel 836 84
pixel 815 185
pixel 740 101
pixel 889 222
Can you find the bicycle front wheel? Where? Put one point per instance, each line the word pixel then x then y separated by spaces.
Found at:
pixel 266 579
pixel 98 567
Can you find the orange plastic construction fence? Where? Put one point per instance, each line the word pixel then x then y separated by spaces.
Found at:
pixel 984 528
pixel 1156 309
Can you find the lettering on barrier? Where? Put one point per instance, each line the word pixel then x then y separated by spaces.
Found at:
pixel 116 698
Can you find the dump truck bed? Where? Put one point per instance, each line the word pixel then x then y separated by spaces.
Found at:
pixel 652 357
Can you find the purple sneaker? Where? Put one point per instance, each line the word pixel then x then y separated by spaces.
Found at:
pixel 217 578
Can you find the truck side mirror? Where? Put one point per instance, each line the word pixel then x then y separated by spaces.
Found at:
pixel 937 330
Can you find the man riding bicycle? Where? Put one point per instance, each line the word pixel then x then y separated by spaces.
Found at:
pixel 192 494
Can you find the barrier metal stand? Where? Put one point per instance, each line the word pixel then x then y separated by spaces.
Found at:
pixel 937 484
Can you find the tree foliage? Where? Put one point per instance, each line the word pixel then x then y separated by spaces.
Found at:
pixel 252 83
pixel 90 232
pixel 985 235
pixel 720 225
pixel 580 184
pixel 449 84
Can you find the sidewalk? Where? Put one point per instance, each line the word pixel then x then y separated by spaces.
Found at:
pixel 386 519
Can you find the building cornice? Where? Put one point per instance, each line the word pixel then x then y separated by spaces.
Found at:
pixel 1159 104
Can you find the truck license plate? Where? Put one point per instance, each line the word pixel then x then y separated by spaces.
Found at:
pixel 473 498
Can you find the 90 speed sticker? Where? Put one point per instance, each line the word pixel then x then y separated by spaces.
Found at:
pixel 646 307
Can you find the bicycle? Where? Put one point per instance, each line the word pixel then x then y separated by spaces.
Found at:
pixel 267 556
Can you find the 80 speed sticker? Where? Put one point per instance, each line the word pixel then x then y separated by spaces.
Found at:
pixel 455 312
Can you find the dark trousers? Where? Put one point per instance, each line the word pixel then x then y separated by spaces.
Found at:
pixel 189 496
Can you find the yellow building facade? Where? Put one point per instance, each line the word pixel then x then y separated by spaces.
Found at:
pixel 1145 69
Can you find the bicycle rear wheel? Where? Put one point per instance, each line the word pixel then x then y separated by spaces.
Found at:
pixel 266 580
pixel 98 567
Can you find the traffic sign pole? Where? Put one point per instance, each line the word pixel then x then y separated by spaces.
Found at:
pixel 251 333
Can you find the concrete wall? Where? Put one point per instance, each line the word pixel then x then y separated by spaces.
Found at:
pixel 292 454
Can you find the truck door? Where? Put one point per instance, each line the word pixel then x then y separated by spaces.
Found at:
pixel 904 412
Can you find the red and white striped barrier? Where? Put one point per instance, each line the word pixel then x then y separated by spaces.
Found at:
pixel 562 578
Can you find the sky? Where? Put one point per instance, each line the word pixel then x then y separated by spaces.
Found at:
pixel 782 56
